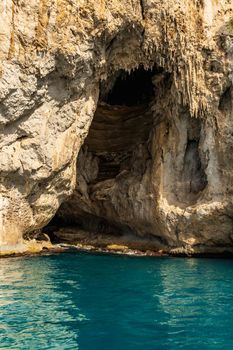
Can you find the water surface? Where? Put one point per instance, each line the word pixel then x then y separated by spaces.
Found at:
pixel 84 301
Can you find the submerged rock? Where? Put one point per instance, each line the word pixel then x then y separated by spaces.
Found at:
pixel 116 117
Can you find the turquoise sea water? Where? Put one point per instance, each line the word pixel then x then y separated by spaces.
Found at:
pixel 82 301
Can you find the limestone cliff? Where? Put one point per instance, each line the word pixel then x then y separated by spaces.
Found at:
pixel 140 92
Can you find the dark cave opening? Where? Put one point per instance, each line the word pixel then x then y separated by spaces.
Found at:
pixel 114 186
pixel 117 140
pixel 128 89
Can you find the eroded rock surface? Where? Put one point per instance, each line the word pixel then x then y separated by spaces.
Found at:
pixel 156 79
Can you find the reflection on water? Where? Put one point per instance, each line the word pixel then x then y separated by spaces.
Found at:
pixel 36 312
pixel 81 301
pixel 8 276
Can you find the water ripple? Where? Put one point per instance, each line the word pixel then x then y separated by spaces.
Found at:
pixel 81 301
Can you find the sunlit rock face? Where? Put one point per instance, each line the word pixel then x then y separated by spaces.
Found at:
pixel 121 112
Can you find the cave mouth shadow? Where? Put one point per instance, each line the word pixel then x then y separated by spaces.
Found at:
pixel 118 139
pixel 114 191
pixel 129 89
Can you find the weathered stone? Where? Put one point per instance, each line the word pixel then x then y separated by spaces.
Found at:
pixel 162 166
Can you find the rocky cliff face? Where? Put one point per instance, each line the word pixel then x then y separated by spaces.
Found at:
pixel 122 112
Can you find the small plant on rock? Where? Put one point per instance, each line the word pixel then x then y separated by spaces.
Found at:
pixel 231 24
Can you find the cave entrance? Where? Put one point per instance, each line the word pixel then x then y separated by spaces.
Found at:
pixel 136 146
pixel 122 121
pixel 128 89
pixel 114 156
